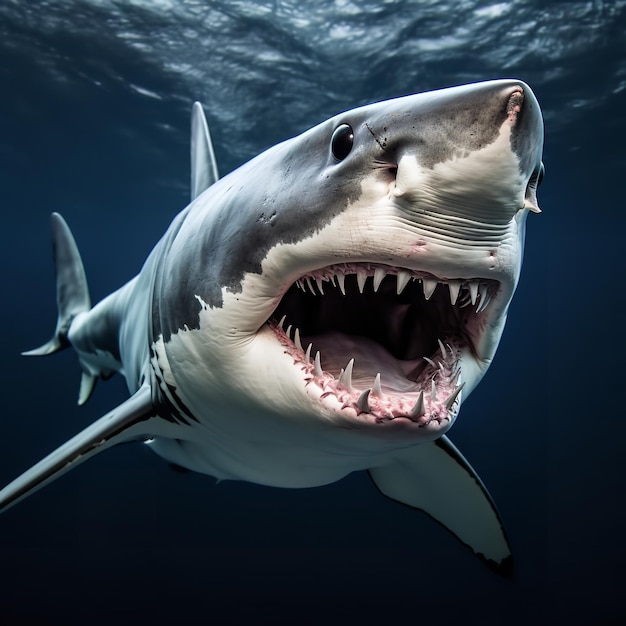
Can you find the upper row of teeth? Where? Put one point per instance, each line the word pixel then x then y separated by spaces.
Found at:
pixel 462 293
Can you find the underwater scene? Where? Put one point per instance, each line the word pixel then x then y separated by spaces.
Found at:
pixel 95 106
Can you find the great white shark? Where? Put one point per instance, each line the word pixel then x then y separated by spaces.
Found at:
pixel 323 309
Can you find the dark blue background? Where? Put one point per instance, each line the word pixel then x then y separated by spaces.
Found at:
pixel 95 126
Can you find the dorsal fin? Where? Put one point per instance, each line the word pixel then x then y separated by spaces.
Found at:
pixel 203 164
pixel 135 419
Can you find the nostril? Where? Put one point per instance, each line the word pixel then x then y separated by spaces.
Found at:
pixel 514 104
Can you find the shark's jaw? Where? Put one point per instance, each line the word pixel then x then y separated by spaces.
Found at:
pixel 385 347
pixel 385 343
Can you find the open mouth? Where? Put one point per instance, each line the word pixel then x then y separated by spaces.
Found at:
pixel 382 341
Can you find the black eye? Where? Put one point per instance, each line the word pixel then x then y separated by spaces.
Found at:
pixel 341 142
pixel 542 171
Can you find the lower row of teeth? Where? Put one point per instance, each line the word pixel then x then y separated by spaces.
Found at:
pixel 345 377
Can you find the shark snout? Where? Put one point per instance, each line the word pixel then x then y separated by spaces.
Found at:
pixel 479 157
pixel 460 124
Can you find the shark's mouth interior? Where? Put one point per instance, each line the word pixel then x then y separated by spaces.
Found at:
pixel 383 340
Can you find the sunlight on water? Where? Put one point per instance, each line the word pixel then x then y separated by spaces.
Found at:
pixel 321 52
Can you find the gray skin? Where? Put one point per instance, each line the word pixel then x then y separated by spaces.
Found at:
pixel 431 189
pixel 435 127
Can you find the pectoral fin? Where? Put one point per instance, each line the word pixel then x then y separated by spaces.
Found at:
pixel 131 420
pixel 436 478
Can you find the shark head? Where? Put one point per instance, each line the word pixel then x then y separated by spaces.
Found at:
pixel 356 276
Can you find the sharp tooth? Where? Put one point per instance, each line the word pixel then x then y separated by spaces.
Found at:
pixel 377 389
pixel 361 277
pixel 430 361
pixel 332 280
pixel 442 370
pixel 429 287
pixel 379 274
pixel 317 369
pixel 454 287
pixel 299 285
pixel 307 354
pixel 418 409
pixel 341 279
pixel 433 391
pixel 485 299
pixel 362 403
pixel 282 321
pixel 452 397
pixel 473 289
pixel 288 331
pixel 310 284
pixel 296 340
pixel 346 376
pixel 403 279
pixel 319 285
pixel 442 348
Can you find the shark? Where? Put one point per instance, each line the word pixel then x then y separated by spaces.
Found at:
pixel 323 309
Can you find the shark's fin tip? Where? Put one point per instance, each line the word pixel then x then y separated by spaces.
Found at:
pixel 436 479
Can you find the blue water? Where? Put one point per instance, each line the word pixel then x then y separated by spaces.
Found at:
pixel 94 115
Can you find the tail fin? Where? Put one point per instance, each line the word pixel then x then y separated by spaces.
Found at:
pixel 72 296
pixel 72 291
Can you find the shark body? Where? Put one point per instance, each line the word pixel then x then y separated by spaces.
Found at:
pixel 323 309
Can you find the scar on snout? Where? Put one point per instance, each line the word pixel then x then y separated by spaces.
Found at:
pixel 382 146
